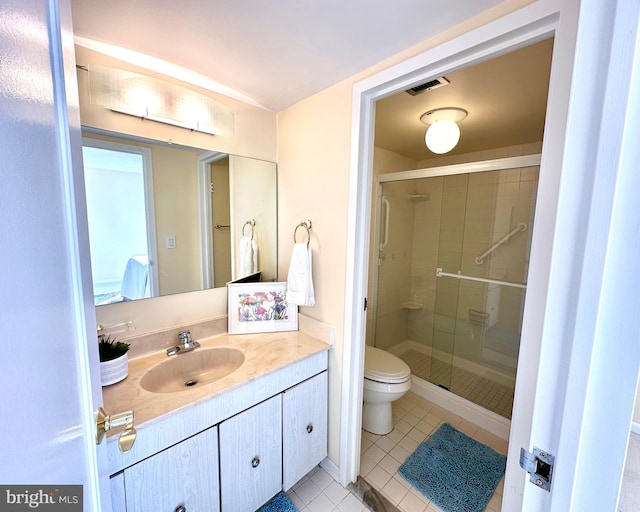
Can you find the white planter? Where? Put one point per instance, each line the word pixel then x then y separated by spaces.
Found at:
pixel 115 370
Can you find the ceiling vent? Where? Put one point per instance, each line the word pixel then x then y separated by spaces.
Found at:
pixel 428 86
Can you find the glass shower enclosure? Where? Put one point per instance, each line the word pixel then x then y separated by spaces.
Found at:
pixel 450 258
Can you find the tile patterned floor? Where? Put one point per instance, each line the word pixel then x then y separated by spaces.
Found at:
pixel 414 420
pixel 319 492
pixel 479 390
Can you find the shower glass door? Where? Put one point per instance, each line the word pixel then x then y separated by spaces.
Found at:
pixel 452 254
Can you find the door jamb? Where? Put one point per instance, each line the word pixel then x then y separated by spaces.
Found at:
pixel 525 26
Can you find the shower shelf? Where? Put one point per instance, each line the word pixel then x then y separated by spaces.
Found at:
pixel 418 197
pixel 412 305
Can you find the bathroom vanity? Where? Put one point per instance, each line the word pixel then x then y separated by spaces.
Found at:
pixel 230 444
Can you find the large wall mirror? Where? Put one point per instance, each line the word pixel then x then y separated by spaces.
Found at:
pixel 166 219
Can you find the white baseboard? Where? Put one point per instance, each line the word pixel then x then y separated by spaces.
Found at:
pixel 477 415
pixel 333 470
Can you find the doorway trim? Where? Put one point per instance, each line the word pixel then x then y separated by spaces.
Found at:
pixel 207 263
pixel 149 208
pixel 520 28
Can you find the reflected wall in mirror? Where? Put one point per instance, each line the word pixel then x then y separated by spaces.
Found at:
pixel 166 219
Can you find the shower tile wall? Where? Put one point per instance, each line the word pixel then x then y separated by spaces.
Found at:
pixel 383 162
pixel 424 259
pixel 394 281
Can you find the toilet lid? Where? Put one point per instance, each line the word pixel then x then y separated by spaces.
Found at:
pixel 382 366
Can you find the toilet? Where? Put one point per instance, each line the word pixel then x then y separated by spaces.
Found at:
pixel 386 378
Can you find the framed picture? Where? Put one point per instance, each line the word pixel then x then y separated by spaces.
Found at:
pixel 260 307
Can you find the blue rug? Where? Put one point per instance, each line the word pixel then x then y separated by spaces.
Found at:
pixel 457 473
pixel 279 503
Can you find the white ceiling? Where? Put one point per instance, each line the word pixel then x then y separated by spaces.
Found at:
pixel 276 52
pixel 506 98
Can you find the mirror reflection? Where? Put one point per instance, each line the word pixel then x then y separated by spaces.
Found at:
pixel 166 219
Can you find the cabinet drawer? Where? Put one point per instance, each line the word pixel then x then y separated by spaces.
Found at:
pixel 304 429
pixel 251 457
pixel 185 474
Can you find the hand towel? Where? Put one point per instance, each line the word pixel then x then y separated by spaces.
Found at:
pixel 300 279
pixel 254 256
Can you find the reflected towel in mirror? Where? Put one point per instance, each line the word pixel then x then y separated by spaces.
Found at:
pixel 135 283
pixel 248 256
pixel 300 279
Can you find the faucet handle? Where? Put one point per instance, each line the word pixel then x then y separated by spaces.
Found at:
pixel 184 337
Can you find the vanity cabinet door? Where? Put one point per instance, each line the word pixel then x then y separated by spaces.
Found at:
pixel 251 457
pixel 184 475
pixel 118 502
pixel 304 428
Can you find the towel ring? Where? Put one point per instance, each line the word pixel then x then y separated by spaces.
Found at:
pixel 251 223
pixel 307 225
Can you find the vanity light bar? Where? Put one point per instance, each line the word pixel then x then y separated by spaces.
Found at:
pixel 157 100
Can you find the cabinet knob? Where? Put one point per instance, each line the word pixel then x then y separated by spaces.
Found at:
pixel 255 462
pixel 181 508
pixel 309 428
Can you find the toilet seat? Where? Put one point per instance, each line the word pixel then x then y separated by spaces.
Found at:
pixel 381 366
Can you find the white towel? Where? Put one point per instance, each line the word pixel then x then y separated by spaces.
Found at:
pixel 135 283
pixel 300 280
pixel 248 256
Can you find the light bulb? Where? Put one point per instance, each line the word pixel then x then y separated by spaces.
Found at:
pixel 442 136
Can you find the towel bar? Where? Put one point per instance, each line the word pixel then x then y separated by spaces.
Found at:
pixel 306 225
pixel 251 223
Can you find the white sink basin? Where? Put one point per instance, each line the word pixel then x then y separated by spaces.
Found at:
pixel 192 369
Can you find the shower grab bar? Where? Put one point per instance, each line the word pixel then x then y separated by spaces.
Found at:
pixel 520 227
pixel 440 273
pixel 387 207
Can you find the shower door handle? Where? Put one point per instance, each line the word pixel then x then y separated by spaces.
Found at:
pixel 387 208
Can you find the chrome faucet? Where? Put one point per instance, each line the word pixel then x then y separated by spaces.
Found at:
pixel 186 344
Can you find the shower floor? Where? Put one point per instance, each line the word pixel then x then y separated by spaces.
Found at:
pixel 479 390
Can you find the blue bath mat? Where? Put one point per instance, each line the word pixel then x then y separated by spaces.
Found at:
pixel 279 503
pixel 457 473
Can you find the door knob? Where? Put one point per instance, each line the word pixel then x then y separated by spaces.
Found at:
pixel 105 423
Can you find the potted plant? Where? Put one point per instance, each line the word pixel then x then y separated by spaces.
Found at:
pixel 114 364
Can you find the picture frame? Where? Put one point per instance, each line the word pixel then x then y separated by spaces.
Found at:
pixel 260 307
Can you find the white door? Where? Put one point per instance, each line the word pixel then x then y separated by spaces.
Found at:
pixel 49 373
pixel 585 386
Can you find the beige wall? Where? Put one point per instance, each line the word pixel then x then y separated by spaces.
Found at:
pixel 314 138
pixel 253 185
pixel 313 159
pixel 175 191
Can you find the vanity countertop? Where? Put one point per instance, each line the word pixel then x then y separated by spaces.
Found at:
pixel 265 353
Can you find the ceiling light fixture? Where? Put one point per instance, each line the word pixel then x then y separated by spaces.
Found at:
pixel 443 133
